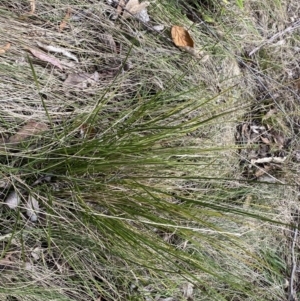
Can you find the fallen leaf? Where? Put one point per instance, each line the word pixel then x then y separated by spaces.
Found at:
pixel 58 50
pixel 65 20
pixel 32 5
pixel 133 7
pixel 32 206
pixel 13 200
pixel 4 48
pixel 31 128
pixel 181 37
pixel 81 80
pixel 46 58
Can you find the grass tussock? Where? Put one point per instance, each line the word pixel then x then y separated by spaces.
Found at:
pixel 143 188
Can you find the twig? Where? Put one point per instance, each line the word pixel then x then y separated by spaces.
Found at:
pixel 291 292
pixel 275 36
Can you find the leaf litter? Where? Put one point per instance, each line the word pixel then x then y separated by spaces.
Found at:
pixel 46 58
pixel 182 39
pixel 31 128
pixel 81 80
pixel 134 8
pixel 56 49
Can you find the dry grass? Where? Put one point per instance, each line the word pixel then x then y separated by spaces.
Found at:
pixel 156 193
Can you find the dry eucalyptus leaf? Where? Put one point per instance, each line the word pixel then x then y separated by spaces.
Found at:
pixel 4 48
pixel 13 200
pixel 181 37
pixel 58 50
pixel 32 207
pixel 46 58
pixel 81 80
pixel 133 7
pixel 31 128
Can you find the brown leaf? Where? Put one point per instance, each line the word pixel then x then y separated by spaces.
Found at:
pixel 4 48
pixel 31 128
pixel 81 80
pixel 133 7
pixel 181 37
pixel 46 58
pixel 65 20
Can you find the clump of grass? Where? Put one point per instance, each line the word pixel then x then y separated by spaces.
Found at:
pixel 138 179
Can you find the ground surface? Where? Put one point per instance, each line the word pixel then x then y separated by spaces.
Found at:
pixel 133 169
